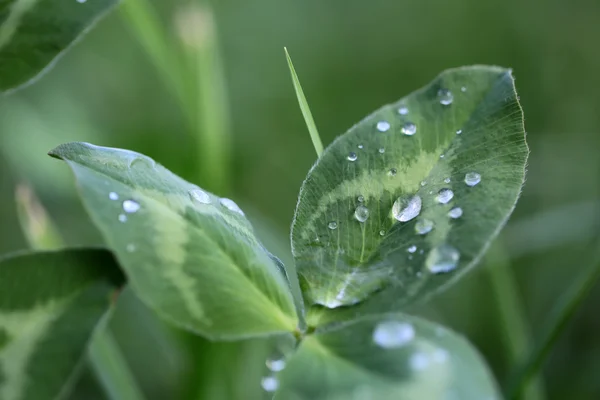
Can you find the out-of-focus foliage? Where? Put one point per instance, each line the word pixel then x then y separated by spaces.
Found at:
pixel 352 56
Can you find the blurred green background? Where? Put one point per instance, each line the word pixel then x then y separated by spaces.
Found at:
pixel 250 143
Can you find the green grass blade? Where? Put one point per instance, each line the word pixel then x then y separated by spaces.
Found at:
pixel 517 332
pixel 560 317
pixel 111 368
pixel 37 226
pixel 308 119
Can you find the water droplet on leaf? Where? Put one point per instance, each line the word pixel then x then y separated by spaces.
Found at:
pixel 352 156
pixel 113 196
pixel 276 364
pixel 445 96
pixel 231 206
pixel 360 146
pixel 383 126
pixel 463 89
pixel 131 206
pixel 381 150
pixel 472 178
pixel 122 218
pixel 393 334
pixel 447 180
pixel 458 132
pixel 392 172
pixel 403 110
pixel 332 225
pixel 269 383
pixel 360 198
pixel 412 248
pixel 381 233
pixel 444 196
pixel 409 129
pixel 423 183
pixel 199 196
pixel 443 258
pixel 405 209
pixel 361 213
pixel 423 226
pixel 456 212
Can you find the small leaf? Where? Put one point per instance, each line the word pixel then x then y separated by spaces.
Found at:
pixel 190 255
pixel 386 357
pixel 34 32
pixel 50 303
pixel 409 198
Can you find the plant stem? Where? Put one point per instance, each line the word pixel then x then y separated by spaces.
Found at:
pixel 36 224
pixel 308 118
pixel 517 333
pixel 111 368
pixel 560 317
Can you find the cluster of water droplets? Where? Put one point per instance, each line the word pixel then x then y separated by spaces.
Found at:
pixel 275 364
pixel 128 206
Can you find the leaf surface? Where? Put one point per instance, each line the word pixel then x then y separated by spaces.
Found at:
pixel 409 198
pixel 386 357
pixel 190 255
pixel 34 32
pixel 50 304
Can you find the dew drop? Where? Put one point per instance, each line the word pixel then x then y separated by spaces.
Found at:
pixel 405 209
pixel 352 156
pixel 412 249
pixel 447 180
pixel 381 150
pixel 423 183
pixel 441 156
pixel 199 196
pixel 445 96
pixel 332 225
pixel 130 248
pixel 360 198
pixel 409 128
pixel 382 233
pixel 463 89
pixel 81 1
pixel 472 178
pixel 361 213
pixel 403 110
pixel 423 226
pixel 113 196
pixel 276 364
pixel 458 132
pixel 383 126
pixel 360 146
pixel 392 172
pixel 443 258
pixel 419 361
pixel 444 196
pixel 455 213
pixel 131 206
pixel 393 334
pixel 269 383
pixel 122 218
pixel 230 205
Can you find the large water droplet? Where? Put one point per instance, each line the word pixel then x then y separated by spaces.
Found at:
pixel 409 128
pixel 383 126
pixel 456 212
pixel 276 364
pixel 352 156
pixel 443 258
pixel 444 196
pixel 113 196
pixel 393 334
pixel 423 226
pixel 199 196
pixel 131 206
pixel 445 96
pixel 419 361
pixel 403 110
pixel 122 218
pixel 361 213
pixel 230 205
pixel 405 209
pixel 269 383
pixel 472 178
pixel 332 225
pixel 412 248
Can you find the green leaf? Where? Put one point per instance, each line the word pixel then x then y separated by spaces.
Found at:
pixel 35 32
pixel 468 120
pixel 189 255
pixel 38 227
pixel 50 303
pixel 387 357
